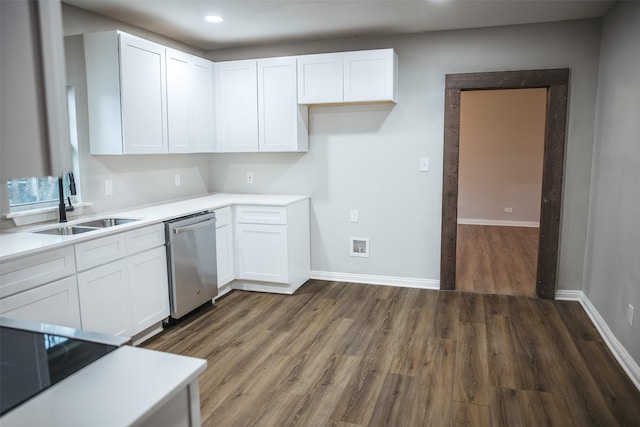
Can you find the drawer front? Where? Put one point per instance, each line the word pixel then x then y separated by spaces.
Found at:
pixel 100 251
pixel 145 238
pixel 223 217
pixel 261 215
pixel 55 303
pixel 35 270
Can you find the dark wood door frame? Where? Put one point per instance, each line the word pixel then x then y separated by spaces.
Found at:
pixel 557 83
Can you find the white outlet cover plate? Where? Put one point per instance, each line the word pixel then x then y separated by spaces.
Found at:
pixel 424 164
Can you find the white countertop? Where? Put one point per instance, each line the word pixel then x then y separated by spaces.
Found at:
pixel 21 243
pixel 122 388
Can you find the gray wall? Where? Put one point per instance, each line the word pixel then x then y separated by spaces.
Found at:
pixel 501 156
pixel 367 157
pixel 137 180
pixel 612 267
pixel 23 123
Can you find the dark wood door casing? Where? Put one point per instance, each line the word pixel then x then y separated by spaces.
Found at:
pixel 557 83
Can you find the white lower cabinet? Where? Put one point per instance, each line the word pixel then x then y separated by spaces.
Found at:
pixel 262 252
pixel 148 288
pixel 55 303
pixel 130 295
pixel 104 299
pixel 41 288
pixel 224 247
pixel 272 247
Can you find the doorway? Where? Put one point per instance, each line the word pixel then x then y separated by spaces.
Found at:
pixel 499 190
pixel 556 82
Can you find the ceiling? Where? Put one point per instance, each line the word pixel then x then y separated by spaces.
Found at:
pixel 253 22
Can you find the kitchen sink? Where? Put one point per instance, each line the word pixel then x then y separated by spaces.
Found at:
pixel 106 222
pixel 66 230
pixel 83 227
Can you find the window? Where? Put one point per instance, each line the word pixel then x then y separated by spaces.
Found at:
pixel 42 191
pixel 27 191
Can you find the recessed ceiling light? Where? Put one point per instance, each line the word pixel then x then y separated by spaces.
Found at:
pixel 213 18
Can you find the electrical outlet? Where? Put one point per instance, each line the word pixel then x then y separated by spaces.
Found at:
pixel 108 187
pixel 177 179
pixel 249 177
pixel 630 315
pixel 508 210
pixel 353 215
pixel 424 164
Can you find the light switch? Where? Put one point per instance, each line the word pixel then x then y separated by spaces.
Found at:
pixel 353 215
pixel 108 187
pixel 424 164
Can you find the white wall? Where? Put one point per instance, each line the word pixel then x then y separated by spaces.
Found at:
pixel 612 262
pixel 501 156
pixel 137 180
pixel 367 157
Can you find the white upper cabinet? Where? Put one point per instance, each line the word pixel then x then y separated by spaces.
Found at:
pixel 190 103
pixel 371 76
pixel 282 122
pixel 237 106
pixel 320 78
pixel 361 76
pixel 257 107
pixel 126 94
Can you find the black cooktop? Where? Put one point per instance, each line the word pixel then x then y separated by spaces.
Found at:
pixel 30 362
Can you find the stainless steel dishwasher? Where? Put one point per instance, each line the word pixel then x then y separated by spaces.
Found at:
pixel 191 260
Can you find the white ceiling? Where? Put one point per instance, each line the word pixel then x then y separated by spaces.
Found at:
pixel 252 22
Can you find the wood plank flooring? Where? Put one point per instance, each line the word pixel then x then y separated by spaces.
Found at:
pixel 342 354
pixel 497 260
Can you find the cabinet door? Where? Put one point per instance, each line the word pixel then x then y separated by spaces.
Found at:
pixel 224 255
pixel 203 101
pixel 148 288
pixel 282 122
pixel 237 106
pixel 55 303
pixel 104 299
pixel 179 102
pixel 190 103
pixel 143 91
pixel 262 252
pixel 370 76
pixel 320 78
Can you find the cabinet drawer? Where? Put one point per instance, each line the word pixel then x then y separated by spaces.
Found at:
pixel 145 238
pixel 100 251
pixel 55 303
pixel 223 217
pixel 261 215
pixel 35 270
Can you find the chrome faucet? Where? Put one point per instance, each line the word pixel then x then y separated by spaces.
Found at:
pixel 62 208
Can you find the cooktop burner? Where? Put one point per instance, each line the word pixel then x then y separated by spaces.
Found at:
pixel 30 362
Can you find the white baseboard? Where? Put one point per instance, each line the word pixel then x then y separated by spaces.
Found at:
pixel 619 352
pixel 405 282
pixel 498 222
pixel 569 295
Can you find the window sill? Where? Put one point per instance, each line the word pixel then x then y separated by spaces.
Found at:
pixel 49 213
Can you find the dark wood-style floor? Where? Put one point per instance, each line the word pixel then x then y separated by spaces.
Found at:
pixel 340 354
pixel 497 260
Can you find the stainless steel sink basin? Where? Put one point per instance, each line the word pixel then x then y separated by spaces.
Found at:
pixel 83 227
pixel 66 230
pixel 106 222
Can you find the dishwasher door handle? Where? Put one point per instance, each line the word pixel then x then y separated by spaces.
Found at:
pixel 193 226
